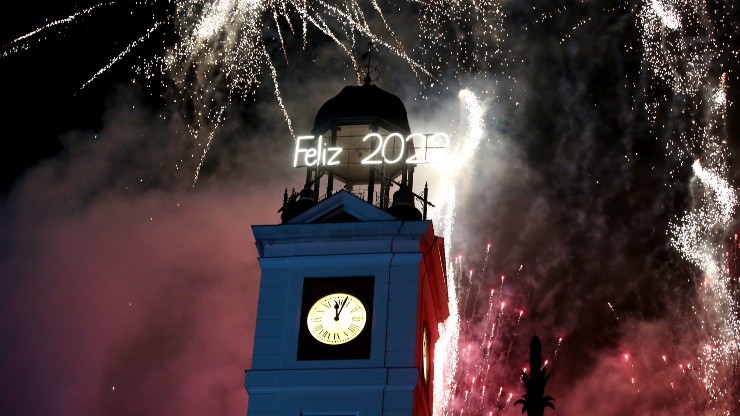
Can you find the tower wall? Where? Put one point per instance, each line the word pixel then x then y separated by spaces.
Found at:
pixel 388 381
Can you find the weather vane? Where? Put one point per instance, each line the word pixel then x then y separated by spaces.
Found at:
pixel 367 55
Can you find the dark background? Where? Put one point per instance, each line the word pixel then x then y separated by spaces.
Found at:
pixel 42 83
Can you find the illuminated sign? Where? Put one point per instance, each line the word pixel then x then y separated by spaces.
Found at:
pixel 389 149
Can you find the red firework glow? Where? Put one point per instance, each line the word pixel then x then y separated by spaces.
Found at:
pixel 491 359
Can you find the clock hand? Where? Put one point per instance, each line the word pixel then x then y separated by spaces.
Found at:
pixel 336 311
pixel 344 302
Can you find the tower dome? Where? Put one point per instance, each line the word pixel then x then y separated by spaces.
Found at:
pixel 360 137
pixel 366 104
pixel 371 126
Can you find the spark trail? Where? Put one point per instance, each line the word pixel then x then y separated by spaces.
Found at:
pixel 683 49
pixel 222 51
pixel 228 37
pixel 451 173
pixel 476 375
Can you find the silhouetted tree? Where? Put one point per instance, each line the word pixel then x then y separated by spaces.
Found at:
pixel 534 400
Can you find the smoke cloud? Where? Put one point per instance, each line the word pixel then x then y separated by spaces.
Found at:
pixel 125 290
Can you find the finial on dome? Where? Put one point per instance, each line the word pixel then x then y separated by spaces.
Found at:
pixel 367 55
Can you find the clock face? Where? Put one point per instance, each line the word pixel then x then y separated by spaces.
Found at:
pixel 425 353
pixel 336 318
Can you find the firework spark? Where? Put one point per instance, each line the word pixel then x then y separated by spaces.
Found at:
pixel 668 28
pixel 221 51
pixel 22 42
pixel 446 349
pixel 477 375
pixel 697 236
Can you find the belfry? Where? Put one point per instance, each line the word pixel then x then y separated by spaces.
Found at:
pixel 353 284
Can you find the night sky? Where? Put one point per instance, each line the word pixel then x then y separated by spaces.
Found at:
pixel 129 288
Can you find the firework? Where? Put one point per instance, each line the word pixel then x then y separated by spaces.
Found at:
pixel 223 52
pixel 697 235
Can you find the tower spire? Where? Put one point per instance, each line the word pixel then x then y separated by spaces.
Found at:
pixel 368 55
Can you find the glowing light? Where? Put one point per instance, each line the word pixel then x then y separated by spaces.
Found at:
pixel 682 59
pixel 557 347
pixel 669 18
pixel 720 97
pixel 17 44
pixel 694 236
pixel 450 173
pixel 613 311
pixel 692 54
pixel 319 156
pixel 323 155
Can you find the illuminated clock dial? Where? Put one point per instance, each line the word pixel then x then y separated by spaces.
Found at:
pixel 425 354
pixel 336 318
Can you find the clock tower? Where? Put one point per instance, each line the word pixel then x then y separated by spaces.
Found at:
pixel 353 286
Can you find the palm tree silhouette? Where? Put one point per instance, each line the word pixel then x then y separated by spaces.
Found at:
pixel 534 400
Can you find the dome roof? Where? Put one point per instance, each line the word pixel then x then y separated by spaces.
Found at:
pixel 366 104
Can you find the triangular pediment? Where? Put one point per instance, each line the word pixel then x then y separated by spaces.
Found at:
pixel 343 206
